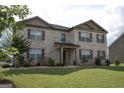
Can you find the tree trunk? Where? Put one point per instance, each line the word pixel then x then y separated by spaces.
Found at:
pixel 16 61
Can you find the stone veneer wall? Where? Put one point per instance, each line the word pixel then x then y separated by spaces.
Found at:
pixel 90 45
pixel 52 36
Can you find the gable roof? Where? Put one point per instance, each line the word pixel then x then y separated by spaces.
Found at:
pixel 27 21
pixel 118 40
pixel 92 25
pixel 39 22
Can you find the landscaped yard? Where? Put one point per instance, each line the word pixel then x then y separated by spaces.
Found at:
pixel 67 77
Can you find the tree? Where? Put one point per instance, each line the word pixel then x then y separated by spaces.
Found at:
pixel 8 14
pixel 16 45
pixel 18 42
pixel 3 55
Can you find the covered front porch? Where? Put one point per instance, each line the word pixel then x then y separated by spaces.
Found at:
pixel 68 53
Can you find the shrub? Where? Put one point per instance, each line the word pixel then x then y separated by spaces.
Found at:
pixel 74 62
pixel 117 62
pixel 59 64
pixel 6 66
pixel 51 62
pixel 97 61
pixel 26 65
pixel 108 62
pixel 38 64
pixel 84 59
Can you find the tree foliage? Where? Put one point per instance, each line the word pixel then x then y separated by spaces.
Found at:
pixel 8 14
pixel 14 42
pixel 3 55
pixel 16 45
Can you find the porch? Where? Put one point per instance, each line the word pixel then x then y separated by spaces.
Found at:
pixel 68 52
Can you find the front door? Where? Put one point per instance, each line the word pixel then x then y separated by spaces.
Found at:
pixel 64 57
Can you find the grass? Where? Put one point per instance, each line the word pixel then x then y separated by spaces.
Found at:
pixel 93 77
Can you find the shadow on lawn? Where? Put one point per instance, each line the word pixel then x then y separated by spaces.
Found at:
pixel 48 71
pixel 58 71
pixel 120 68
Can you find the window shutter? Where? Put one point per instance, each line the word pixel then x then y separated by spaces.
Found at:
pixel 91 37
pixel 103 39
pixel 28 33
pixel 79 36
pixel 98 53
pixel 43 35
pixel 42 53
pixel 91 54
pixel 104 54
pixel 97 37
pixel 80 53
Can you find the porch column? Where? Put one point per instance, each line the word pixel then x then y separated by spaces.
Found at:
pixel 61 54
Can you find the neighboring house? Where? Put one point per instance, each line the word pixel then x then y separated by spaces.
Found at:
pixel 63 44
pixel 116 49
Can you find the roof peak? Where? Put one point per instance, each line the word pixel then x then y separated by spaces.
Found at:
pixel 55 26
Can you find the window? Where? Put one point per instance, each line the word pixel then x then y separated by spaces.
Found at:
pixel 101 54
pixel 100 38
pixel 36 54
pixel 62 37
pixel 83 36
pixel 86 53
pixel 36 35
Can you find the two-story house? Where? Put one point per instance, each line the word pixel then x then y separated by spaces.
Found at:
pixel 63 44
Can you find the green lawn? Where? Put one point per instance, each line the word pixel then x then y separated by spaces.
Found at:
pixel 67 77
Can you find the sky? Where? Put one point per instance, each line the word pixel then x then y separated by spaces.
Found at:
pixel 72 12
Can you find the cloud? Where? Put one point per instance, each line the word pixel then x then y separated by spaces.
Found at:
pixel 115 22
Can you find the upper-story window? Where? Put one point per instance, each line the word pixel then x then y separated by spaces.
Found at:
pixel 36 35
pixel 100 38
pixel 101 54
pixel 86 53
pixel 85 36
pixel 62 37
